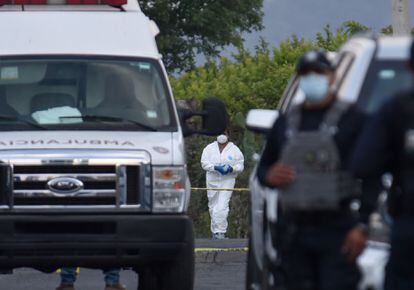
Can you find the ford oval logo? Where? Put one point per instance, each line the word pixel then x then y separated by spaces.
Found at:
pixel 64 185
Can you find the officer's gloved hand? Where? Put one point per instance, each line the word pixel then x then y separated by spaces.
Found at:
pixel 220 169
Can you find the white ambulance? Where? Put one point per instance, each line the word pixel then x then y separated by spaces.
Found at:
pixel 92 164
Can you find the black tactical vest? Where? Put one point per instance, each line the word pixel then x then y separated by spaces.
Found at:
pixel 320 183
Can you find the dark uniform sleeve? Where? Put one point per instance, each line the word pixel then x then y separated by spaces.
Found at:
pixel 272 149
pixel 371 188
pixel 371 185
pixel 373 150
pixel 371 158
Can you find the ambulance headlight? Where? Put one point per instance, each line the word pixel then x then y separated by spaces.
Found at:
pixel 171 189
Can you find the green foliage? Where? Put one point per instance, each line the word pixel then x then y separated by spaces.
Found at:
pixel 198 210
pixel 248 80
pixel 190 27
pixel 389 30
pixel 353 27
pixel 330 41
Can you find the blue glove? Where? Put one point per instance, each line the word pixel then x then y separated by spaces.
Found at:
pixel 220 168
pixel 227 169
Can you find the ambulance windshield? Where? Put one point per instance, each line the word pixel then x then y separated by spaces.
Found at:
pixel 84 94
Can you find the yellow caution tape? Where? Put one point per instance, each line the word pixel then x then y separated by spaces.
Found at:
pixel 60 270
pixel 220 189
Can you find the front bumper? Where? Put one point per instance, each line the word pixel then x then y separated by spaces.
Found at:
pixel 94 241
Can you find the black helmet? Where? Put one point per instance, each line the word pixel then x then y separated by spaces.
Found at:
pixel 315 61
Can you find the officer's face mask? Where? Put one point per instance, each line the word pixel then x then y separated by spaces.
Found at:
pixel 222 139
pixel 314 86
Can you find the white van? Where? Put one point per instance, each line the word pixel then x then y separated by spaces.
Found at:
pixel 370 71
pixel 93 171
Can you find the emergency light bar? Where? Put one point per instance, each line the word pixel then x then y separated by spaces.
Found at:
pixel 64 2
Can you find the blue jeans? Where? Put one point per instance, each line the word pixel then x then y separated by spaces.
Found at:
pixel 68 276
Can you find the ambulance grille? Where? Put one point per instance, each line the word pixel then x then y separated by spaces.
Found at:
pixel 75 185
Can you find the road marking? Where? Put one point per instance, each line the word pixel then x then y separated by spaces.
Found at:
pixel 60 270
pixel 197 250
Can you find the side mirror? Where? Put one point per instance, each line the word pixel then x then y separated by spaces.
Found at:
pixel 261 121
pixel 214 118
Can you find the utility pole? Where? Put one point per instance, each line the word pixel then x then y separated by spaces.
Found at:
pixel 401 18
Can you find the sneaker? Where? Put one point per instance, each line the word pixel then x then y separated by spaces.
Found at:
pixel 115 287
pixel 65 287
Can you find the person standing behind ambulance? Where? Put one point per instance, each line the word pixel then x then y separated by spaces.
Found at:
pixel 222 161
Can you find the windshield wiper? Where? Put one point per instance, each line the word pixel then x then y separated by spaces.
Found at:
pixel 21 120
pixel 110 119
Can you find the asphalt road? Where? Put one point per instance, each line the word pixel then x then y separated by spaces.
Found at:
pixel 221 276
pixel 214 271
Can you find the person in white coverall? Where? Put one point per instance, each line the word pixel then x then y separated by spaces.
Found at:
pixel 222 161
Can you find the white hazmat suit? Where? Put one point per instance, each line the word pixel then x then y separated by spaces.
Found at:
pixel 218 200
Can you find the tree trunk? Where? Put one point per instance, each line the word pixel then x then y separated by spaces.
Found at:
pixel 401 18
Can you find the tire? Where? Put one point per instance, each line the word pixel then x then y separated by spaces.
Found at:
pixel 254 274
pixel 176 275
pixel 148 278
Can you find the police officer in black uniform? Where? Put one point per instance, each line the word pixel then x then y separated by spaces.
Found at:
pixel 307 152
pixel 387 146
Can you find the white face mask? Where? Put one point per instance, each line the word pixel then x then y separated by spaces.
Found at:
pixel 222 139
pixel 314 86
